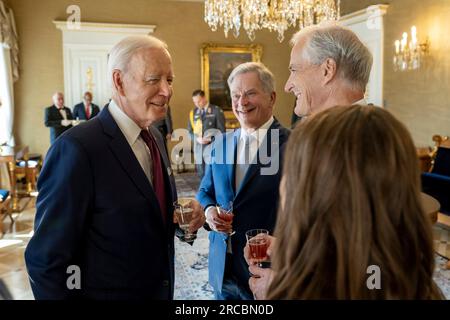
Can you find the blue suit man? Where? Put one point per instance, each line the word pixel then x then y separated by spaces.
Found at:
pixel 105 204
pixel 252 187
pixel 85 110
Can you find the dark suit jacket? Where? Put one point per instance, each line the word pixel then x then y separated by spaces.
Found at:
pixel 254 204
pixel 96 209
pixel 213 118
pixel 53 119
pixel 80 112
pixel 165 125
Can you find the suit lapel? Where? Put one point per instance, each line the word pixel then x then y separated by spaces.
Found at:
pixel 231 159
pixel 256 168
pixel 83 109
pixel 57 113
pixel 125 156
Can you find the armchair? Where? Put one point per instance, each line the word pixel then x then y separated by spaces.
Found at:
pixel 436 182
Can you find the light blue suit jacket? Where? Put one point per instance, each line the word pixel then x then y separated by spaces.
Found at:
pixel 254 203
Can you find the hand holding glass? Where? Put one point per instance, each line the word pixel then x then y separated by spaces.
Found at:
pixel 257 240
pixel 226 213
pixel 183 213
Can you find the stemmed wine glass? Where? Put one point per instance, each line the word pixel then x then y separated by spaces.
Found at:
pixel 183 212
pixel 258 244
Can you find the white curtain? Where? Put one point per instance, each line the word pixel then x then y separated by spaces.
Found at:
pixel 6 96
pixel 6 109
pixel 9 72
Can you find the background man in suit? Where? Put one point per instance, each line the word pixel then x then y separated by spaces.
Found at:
pixel 165 126
pixel 85 110
pixel 105 205
pixel 245 182
pixel 203 117
pixel 57 117
pixel 329 67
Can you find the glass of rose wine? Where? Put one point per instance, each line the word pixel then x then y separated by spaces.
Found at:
pixel 258 243
pixel 225 212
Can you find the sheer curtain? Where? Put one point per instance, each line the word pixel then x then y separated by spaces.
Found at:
pixel 9 73
pixel 6 96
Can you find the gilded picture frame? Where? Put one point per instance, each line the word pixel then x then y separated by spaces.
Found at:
pixel 217 62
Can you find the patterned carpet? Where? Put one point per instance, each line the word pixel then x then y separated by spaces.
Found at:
pixel 191 262
pixel 442 240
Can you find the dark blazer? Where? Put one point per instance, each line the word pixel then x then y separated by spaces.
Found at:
pixel 165 126
pixel 53 119
pixel 80 112
pixel 96 209
pixel 254 204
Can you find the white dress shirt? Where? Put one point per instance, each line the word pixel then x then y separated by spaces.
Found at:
pixel 255 138
pixel 62 112
pixel 132 132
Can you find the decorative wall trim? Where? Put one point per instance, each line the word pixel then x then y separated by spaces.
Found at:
pixel 369 27
pixel 107 27
pixel 85 54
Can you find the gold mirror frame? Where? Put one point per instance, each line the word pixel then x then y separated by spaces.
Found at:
pixel 254 49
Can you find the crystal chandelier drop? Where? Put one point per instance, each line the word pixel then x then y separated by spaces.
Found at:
pixel 275 15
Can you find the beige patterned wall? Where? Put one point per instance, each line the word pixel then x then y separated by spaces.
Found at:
pixel 420 99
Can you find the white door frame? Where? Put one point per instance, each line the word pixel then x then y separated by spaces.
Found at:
pixel 369 27
pixel 86 48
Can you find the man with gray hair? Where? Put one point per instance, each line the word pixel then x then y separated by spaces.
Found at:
pixel 242 178
pixel 329 66
pixel 104 225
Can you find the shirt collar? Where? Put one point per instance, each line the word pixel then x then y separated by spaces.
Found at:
pixel 129 128
pixel 204 108
pixel 361 102
pixel 257 134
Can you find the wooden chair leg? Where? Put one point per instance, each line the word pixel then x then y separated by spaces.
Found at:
pixel 9 209
pixel 4 212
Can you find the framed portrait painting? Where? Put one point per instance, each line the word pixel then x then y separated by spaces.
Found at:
pixel 217 63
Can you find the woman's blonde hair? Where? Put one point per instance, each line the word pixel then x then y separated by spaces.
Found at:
pixel 352 200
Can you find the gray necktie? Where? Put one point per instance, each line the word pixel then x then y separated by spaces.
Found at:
pixel 241 168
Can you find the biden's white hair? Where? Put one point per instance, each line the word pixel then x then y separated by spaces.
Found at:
pixel 122 53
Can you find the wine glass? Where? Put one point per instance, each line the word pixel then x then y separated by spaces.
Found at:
pixel 183 212
pixel 258 244
pixel 225 212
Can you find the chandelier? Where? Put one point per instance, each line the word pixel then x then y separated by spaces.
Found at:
pixel 275 15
